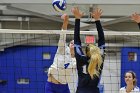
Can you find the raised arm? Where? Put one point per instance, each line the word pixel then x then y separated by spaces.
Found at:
pixel 65 18
pixel 96 15
pixel 136 18
pixel 78 14
pixel 101 38
pixel 80 57
pixel 62 39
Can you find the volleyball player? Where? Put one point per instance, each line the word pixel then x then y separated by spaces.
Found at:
pixel 136 18
pixel 62 74
pixel 131 83
pixel 94 57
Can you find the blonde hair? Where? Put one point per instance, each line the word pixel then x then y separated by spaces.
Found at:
pixel 95 61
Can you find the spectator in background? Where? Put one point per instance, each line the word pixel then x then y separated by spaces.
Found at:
pixel 131 83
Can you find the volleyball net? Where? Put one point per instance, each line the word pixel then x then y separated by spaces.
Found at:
pixel 26 55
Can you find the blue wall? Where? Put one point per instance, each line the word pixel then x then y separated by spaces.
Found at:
pixel 25 62
pixel 127 65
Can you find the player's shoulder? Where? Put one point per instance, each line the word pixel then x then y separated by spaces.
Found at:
pixel 137 88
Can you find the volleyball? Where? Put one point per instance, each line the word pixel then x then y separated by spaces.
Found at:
pixel 59 5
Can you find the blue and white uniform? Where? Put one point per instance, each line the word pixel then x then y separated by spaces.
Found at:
pixel 63 68
pixel 135 90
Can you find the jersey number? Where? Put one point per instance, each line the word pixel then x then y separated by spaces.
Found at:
pixel 66 65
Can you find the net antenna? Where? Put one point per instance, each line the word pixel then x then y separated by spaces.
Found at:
pixel 92 7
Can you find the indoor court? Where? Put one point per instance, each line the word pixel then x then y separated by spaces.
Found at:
pixel 30 31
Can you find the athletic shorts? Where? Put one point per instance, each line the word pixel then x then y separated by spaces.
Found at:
pixel 56 88
pixel 87 90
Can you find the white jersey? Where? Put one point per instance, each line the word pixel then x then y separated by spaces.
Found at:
pixel 63 68
pixel 135 90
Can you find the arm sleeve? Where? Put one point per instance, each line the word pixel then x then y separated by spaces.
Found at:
pixel 101 43
pixel 101 38
pixel 139 25
pixel 77 40
pixel 80 57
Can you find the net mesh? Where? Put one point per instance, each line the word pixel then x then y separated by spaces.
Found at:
pixel 26 55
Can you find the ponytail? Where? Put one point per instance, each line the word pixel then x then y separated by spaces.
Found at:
pixel 95 60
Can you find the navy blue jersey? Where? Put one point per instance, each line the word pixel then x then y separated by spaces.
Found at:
pixel 85 83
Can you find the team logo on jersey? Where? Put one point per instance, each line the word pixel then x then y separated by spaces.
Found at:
pixel 66 65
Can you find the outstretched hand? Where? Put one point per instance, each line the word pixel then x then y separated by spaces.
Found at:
pixel 135 17
pixel 97 14
pixel 77 13
pixel 65 18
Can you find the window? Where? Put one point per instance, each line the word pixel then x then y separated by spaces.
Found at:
pixel 23 81
pixel 46 56
pixel 132 56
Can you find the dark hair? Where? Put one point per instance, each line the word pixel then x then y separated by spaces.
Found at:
pixel 69 42
pixel 133 76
